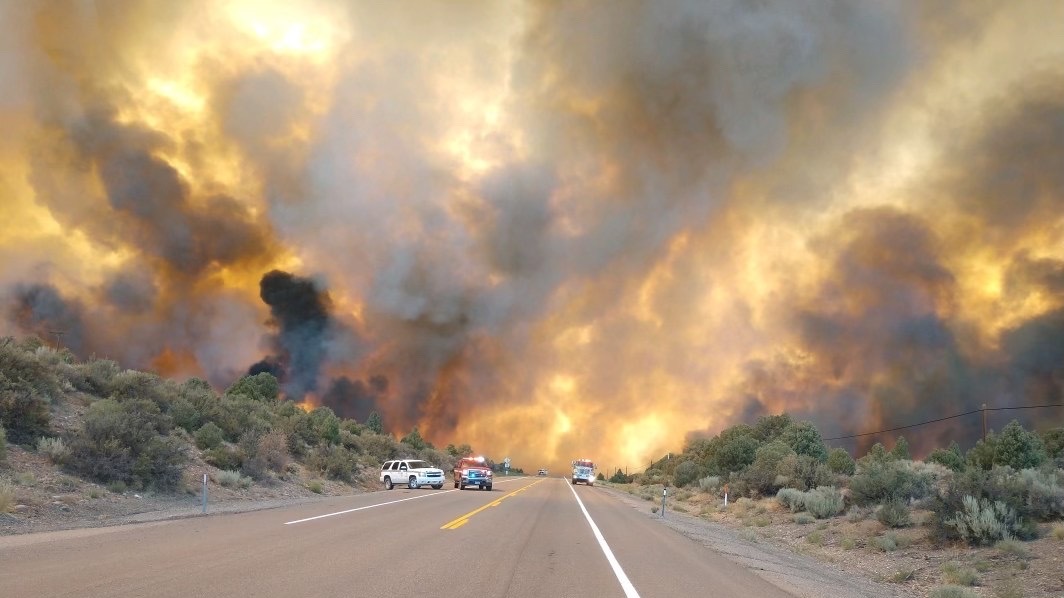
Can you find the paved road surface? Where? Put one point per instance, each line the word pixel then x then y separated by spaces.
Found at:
pixel 528 537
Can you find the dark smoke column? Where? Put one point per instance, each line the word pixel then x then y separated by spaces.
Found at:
pixel 301 313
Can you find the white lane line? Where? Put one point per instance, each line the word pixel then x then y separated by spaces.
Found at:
pixel 629 589
pixel 391 502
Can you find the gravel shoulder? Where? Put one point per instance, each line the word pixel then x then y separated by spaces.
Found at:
pixel 797 574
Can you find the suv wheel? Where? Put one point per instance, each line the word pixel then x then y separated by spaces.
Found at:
pixel 488 487
pixel 437 486
pixel 412 483
pixel 387 482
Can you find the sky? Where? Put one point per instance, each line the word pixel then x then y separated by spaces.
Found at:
pixel 549 230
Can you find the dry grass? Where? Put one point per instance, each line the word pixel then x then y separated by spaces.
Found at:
pixel 7 497
pixel 1057 532
pixel 957 575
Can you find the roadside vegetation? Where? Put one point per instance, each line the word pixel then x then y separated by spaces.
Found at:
pixel 1000 497
pixel 131 430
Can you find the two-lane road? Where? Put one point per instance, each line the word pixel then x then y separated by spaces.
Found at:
pixel 528 537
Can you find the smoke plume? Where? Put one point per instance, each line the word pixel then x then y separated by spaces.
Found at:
pixel 568 229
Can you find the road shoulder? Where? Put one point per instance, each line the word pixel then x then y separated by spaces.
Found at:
pixel 794 573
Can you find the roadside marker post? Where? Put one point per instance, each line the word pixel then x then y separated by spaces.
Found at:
pixel 664 493
pixel 725 496
pixel 204 494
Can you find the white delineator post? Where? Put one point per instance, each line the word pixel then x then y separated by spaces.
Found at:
pixel 664 492
pixel 725 496
pixel 204 494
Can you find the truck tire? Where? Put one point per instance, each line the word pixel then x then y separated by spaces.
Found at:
pixel 388 483
pixel 437 486
pixel 412 483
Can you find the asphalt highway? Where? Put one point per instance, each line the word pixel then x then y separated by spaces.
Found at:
pixel 528 537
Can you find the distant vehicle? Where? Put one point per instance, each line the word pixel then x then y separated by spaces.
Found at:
pixel 472 471
pixel 584 471
pixel 542 472
pixel 412 472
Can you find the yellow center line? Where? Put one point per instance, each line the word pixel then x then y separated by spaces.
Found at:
pixel 459 522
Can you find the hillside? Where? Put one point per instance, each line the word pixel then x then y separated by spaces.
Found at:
pixel 87 443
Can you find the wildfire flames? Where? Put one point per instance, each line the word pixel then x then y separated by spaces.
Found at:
pixel 568 229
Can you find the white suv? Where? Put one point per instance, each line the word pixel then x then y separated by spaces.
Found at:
pixel 412 472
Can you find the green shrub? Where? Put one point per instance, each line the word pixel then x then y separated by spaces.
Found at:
pixel 99 375
pixel 805 472
pixel 1014 447
pixel 233 479
pixel 314 486
pixel 736 451
pixel 686 473
pixel 24 403
pixel 805 440
pixel 1045 493
pixel 840 462
pixel 761 475
pixel 983 522
pixel 823 502
pixel 1033 494
pixel 959 576
pixel 273 450
pixel 3 445
pixel 900 451
pixel 259 387
pixel 1053 440
pixel 619 478
pixel 1018 448
pixel 952 592
pixel 334 462
pixel 791 498
pixel 709 483
pixel 209 436
pixel 848 543
pixel 379 447
pixel 804 519
pixel 55 449
pixel 894 513
pixel 222 457
pixel 815 538
pixel 880 480
pixel 950 458
pixel 126 441
pixel 186 416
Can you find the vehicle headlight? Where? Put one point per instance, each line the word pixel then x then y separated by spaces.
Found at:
pixel 489 474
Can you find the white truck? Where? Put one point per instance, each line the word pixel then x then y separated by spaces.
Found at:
pixel 412 472
pixel 584 471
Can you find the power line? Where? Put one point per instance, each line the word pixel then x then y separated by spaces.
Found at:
pixel 941 419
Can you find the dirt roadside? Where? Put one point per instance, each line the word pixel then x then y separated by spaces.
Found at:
pixel 797 574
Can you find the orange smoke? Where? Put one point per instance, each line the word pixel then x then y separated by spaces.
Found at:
pixel 543 240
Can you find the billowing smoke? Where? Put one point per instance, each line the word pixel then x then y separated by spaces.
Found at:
pixel 39 309
pixel 300 311
pixel 568 229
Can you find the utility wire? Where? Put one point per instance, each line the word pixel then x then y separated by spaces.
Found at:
pixel 941 419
